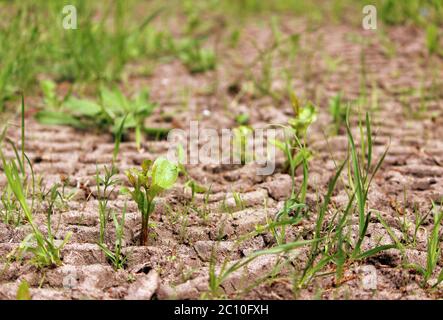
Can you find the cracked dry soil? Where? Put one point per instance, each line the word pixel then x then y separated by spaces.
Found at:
pixel 176 263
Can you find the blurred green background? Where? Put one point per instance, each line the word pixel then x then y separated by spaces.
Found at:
pixel 112 33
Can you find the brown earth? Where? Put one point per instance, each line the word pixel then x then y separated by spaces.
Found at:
pixel 176 263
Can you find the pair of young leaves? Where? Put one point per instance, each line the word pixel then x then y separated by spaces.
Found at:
pixel 298 125
pixel 153 178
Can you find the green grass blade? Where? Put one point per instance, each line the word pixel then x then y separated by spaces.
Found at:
pixel 375 250
pixel 324 207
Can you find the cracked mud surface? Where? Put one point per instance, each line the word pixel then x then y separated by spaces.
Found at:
pixel 176 263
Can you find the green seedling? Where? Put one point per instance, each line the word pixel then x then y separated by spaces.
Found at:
pixel 292 210
pixel 50 96
pixel 234 38
pixel 216 279
pixel 433 251
pixel 190 182
pixel 46 252
pixel 131 112
pixel 337 109
pixel 242 119
pixel 239 203
pixel 53 199
pixel 304 116
pixel 418 223
pixel 117 141
pixel 116 257
pixel 405 225
pixel 23 291
pixel 196 58
pixel 147 184
pixel 315 264
pixel 432 39
pixel 114 112
pixel 105 187
pixel 204 210
pixel 242 135
pixel 361 174
pixel 51 100
pixel 10 211
pixel 183 226
pixel 288 215
pixel 294 146
pixel 264 83
pixel 337 246
pixel 195 188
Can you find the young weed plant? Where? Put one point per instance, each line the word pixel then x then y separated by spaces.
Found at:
pixel 216 278
pixel 294 145
pixel 147 184
pixel 338 248
pixel 433 251
pixel 112 109
pixel 196 58
pixel 44 248
pixel 332 243
pixel 338 110
pixel 242 135
pixel 182 171
pixel 105 186
pixel 116 257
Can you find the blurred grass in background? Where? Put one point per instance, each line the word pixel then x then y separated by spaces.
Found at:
pixel 112 33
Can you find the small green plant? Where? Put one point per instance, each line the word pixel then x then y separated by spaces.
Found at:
pixel 294 145
pixel 116 257
pixel 46 252
pixel 432 39
pixel 263 84
pixel 304 116
pixel 50 96
pixel 216 278
pixel 43 247
pixel 51 100
pixel 190 182
pixel 113 109
pixel 418 223
pixel 338 112
pixel 433 251
pixel 147 184
pixel 242 135
pixel 361 172
pixel 23 291
pixel 10 211
pixel 105 187
pixel 242 119
pixel 196 58
pixel 53 200
pixel 234 38
pixel 337 246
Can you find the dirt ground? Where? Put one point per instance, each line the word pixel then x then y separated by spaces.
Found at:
pixel 176 263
